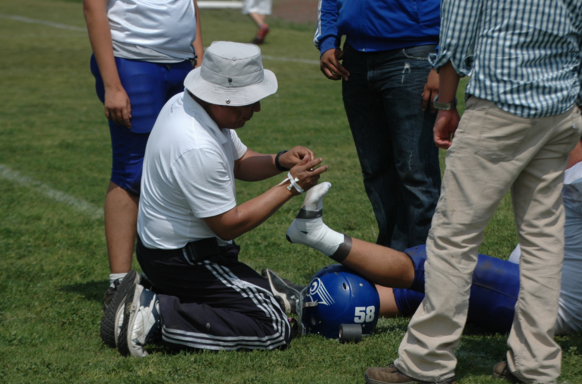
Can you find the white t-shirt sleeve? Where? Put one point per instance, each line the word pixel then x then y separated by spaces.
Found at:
pixel 239 148
pixel 203 177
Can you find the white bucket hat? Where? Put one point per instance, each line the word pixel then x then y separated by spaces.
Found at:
pixel 231 74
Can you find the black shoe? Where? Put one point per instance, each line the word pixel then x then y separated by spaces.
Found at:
pixel 501 371
pixel 286 293
pixel 109 293
pixel 113 307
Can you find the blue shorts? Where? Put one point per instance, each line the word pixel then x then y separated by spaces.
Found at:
pixel 149 86
pixel 494 291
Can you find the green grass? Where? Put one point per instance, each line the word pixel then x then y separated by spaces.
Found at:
pixel 53 263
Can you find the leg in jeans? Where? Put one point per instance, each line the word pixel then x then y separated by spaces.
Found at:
pixel 495 282
pixel 393 137
pixel 490 150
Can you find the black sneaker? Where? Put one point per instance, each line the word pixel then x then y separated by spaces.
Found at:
pixel 114 307
pixel 286 293
pixel 109 293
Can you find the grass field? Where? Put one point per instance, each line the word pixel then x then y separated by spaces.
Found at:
pixel 54 169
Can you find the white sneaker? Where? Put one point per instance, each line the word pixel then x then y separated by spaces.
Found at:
pixel 141 322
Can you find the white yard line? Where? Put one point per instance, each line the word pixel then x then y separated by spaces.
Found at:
pixel 43 189
pixel 49 23
pixel 73 28
pixel 81 205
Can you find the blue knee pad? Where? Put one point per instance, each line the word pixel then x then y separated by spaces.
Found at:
pixel 494 291
pixel 149 86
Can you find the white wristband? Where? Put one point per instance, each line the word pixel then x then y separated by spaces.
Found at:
pixel 293 183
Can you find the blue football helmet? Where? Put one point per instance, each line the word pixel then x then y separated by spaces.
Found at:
pixel 336 295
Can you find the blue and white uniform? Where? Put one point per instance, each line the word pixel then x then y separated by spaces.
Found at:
pixel 152 46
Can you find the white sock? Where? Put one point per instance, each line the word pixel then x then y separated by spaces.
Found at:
pixel 309 229
pixel 115 276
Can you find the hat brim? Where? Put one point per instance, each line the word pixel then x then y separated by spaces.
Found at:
pixel 230 96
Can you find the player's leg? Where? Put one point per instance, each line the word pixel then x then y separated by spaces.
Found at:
pixel 258 11
pixel 258 18
pixel 380 264
pixel 145 84
pixel 120 227
pixel 494 292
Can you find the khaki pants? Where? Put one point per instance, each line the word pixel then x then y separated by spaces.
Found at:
pixel 492 151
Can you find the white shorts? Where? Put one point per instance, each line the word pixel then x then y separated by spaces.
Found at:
pixel 262 7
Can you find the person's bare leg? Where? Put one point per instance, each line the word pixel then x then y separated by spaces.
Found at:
pixel 388 307
pixel 258 18
pixel 382 265
pixel 120 227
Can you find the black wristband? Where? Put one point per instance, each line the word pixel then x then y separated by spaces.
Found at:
pixel 278 165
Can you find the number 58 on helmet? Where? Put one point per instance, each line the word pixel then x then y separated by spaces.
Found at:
pixel 339 304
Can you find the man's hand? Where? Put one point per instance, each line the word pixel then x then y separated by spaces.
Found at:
pixel 118 107
pixel 307 174
pixel 444 128
pixel 331 67
pixel 294 156
pixel 431 89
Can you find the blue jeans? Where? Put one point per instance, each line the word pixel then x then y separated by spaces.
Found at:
pixel 393 137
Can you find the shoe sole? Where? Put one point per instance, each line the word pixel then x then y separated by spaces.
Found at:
pixel 109 319
pixel 124 337
pixel 278 295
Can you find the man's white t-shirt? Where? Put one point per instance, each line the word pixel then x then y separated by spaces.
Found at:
pixel 188 175
pixel 570 303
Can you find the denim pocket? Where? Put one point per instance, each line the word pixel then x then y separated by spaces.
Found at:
pixel 500 135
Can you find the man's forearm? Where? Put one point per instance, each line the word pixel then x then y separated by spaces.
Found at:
pixel 255 166
pixel 249 215
pixel 448 83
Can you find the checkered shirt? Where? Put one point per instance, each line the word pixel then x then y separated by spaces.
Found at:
pixel 523 55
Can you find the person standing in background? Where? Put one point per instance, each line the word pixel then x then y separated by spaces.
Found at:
pixel 258 11
pixel 388 86
pixel 141 55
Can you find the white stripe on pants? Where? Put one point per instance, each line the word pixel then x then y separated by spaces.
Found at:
pixel 492 152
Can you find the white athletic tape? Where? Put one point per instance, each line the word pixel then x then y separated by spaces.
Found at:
pixel 80 204
pixel 49 23
pixel 73 28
